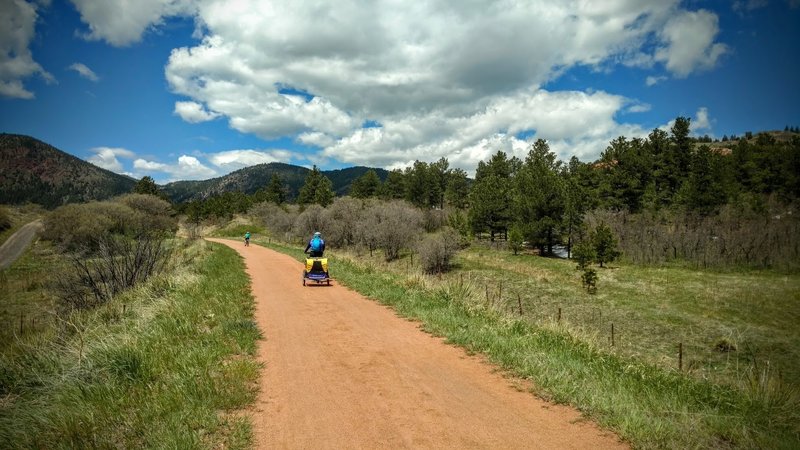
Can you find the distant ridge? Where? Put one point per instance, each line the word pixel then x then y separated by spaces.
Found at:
pixel 36 172
pixel 32 171
pixel 250 179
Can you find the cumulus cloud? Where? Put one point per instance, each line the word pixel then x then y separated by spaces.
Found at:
pixel 17 28
pixel 106 157
pixel 186 168
pixel 689 43
pixel 442 78
pixel 236 159
pixel 122 22
pixel 701 120
pixel 84 71
pixel 193 112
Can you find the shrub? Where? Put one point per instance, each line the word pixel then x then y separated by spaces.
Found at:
pixel 120 263
pixel 515 239
pixel 605 244
pixel 278 219
pixel 390 226
pixel 589 280
pixel 153 213
pixel 341 219
pixel 5 219
pixel 437 250
pixel 309 221
pixel 80 226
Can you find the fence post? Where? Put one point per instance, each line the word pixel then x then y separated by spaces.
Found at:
pixel 680 356
pixel 612 334
pixel 21 318
pixel 519 302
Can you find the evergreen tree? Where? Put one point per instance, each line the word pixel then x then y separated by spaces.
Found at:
pixel 605 244
pixel 438 173
pixel 394 187
pixel 276 191
pixel 457 191
pixel 147 186
pixel 366 185
pixel 317 189
pixel 704 189
pixel 489 198
pixel 539 197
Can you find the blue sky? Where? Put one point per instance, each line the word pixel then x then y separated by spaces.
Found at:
pixel 193 89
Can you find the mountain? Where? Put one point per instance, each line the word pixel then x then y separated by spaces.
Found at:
pixel 250 179
pixel 33 171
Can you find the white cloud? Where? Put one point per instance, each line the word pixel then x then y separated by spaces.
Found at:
pixel 194 112
pixel 442 78
pixel 122 22
pixel 654 80
pixel 236 159
pixel 187 168
pixel 106 157
pixel 701 120
pixel 17 29
pixel 84 71
pixel 743 7
pixel 689 43
pixel 639 108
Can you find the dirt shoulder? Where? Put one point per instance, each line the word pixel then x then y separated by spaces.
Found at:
pixel 17 243
pixel 342 371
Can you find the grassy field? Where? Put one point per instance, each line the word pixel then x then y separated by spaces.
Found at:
pixel 169 364
pixel 742 399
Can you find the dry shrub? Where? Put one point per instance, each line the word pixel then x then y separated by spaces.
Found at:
pixel 341 221
pixel 437 250
pixel 117 264
pixel 390 226
pixel 278 219
pixel 311 220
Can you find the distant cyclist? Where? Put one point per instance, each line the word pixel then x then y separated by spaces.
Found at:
pixel 316 246
pixel 247 239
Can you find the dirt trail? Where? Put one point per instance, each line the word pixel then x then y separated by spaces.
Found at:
pixel 13 247
pixel 342 371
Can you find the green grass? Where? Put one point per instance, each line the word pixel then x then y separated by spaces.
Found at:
pixel 166 365
pixel 632 388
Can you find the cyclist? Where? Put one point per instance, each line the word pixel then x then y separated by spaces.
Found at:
pixel 247 239
pixel 316 246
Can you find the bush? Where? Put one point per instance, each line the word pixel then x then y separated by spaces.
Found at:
pixel 515 239
pixel 278 219
pixel 341 219
pixel 437 250
pixel 153 213
pixel 584 254
pixel 605 244
pixel 309 221
pixel 589 280
pixel 390 226
pixel 5 219
pixel 80 226
pixel 120 264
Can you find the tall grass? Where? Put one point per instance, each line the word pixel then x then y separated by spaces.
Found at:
pixel 648 404
pixel 165 365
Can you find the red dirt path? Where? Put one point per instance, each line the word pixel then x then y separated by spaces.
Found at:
pixel 342 371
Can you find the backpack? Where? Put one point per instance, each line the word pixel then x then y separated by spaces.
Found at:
pixel 316 244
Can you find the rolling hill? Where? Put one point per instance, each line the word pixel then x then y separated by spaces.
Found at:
pixel 36 172
pixel 33 171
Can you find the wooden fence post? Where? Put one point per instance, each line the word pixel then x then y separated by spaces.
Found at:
pixel 612 334
pixel 680 356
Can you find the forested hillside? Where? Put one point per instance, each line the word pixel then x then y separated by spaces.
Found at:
pixel 32 171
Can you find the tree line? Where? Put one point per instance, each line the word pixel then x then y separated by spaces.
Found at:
pixel 670 177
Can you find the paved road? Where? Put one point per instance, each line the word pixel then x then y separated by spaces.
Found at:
pixel 17 243
pixel 342 371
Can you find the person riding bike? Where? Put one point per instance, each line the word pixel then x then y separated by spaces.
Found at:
pixel 247 239
pixel 316 246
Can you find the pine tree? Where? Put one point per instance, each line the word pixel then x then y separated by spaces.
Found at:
pixel 539 197
pixel 457 191
pixel 489 198
pixel 317 189
pixel 366 185
pixel 276 191
pixel 146 186
pixel 605 244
